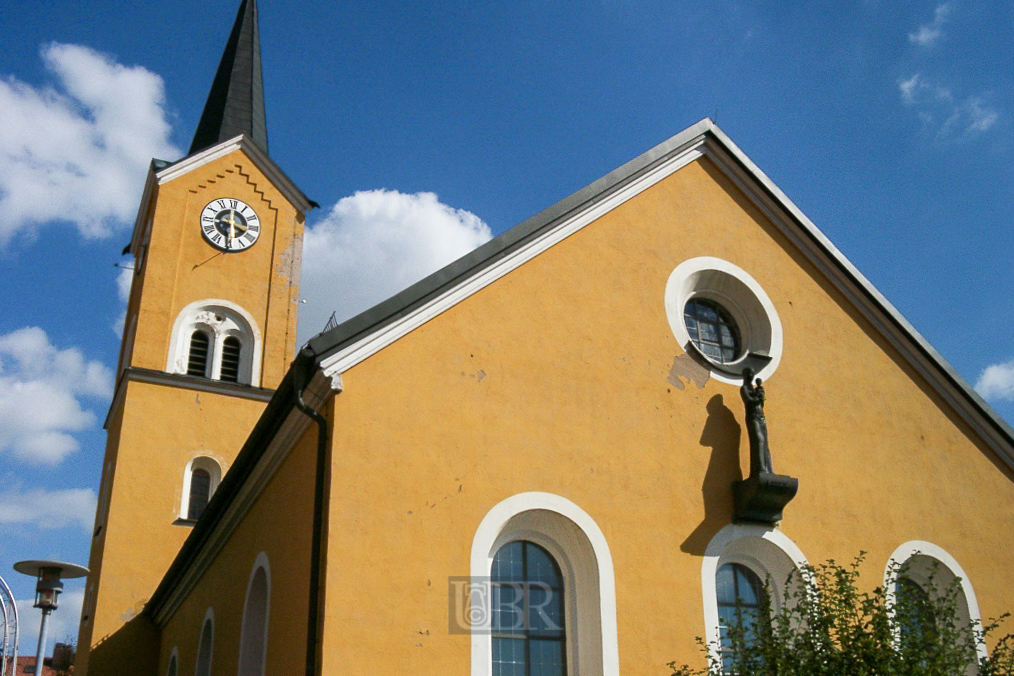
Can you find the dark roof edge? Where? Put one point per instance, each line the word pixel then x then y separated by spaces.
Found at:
pixel 281 404
pixel 332 341
pixel 406 301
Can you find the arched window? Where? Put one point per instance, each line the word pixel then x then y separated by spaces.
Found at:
pixel 528 615
pixel 913 611
pixel 200 493
pixel 216 339
pixel 928 568
pixel 739 592
pixel 205 647
pixel 173 669
pixel 253 641
pixel 231 349
pixel 197 361
pixel 201 477
pixel 737 563
pixel 561 551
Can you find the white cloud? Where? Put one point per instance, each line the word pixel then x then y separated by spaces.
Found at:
pixel 78 151
pixel 124 281
pixel 41 388
pixel 374 244
pixel 63 622
pixel 996 382
pixel 928 34
pixel 48 509
pixel 950 117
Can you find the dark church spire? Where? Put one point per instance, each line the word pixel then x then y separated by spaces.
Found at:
pixel 236 102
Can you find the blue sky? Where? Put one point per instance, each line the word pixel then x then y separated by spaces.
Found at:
pixel 423 128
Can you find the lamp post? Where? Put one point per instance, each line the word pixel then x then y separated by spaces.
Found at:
pixel 48 586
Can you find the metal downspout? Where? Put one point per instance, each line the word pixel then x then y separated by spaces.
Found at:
pixel 301 375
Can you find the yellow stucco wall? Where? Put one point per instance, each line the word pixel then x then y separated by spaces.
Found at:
pixel 279 524
pixel 557 378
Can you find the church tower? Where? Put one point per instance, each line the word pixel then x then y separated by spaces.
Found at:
pixel 210 331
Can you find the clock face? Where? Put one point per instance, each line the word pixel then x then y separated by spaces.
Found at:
pixel 230 225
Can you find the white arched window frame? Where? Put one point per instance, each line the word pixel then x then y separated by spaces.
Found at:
pixel 206 645
pixel 769 553
pixel 174 663
pixel 219 319
pixel 919 561
pixel 214 470
pixel 253 637
pixel 573 538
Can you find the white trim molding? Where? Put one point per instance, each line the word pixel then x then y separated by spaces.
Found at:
pixel 734 289
pixel 919 560
pixel 767 552
pixel 566 226
pixel 221 319
pixel 574 539
pixel 173 666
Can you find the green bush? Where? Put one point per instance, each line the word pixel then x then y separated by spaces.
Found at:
pixel 826 626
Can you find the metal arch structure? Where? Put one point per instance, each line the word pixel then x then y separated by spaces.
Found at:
pixel 9 635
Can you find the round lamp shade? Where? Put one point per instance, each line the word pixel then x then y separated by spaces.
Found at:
pixel 67 570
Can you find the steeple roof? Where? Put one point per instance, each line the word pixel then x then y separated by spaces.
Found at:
pixel 236 102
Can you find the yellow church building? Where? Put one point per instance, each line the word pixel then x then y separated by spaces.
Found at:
pixel 565 406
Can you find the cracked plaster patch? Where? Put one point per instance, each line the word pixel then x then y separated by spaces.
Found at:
pixel 685 367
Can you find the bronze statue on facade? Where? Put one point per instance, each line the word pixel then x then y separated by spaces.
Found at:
pixel 752 393
pixel 760 497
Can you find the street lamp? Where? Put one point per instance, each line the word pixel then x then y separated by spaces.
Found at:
pixel 48 586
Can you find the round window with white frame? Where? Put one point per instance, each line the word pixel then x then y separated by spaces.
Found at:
pixel 722 316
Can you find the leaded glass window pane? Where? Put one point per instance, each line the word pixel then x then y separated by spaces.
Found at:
pixel 712 330
pixel 739 593
pixel 527 612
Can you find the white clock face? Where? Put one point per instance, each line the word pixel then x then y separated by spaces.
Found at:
pixel 230 225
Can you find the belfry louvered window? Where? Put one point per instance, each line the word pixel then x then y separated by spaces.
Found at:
pixel 229 371
pixel 197 364
pixel 216 340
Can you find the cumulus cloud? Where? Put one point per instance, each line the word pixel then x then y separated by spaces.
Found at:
pixel 372 245
pixel 62 625
pixel 948 116
pixel 48 509
pixel 996 382
pixel 41 393
pixel 78 151
pixel 929 34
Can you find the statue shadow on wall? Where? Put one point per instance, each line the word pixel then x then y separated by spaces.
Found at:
pixel 721 434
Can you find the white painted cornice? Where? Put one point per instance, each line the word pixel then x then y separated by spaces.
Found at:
pixel 184 166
